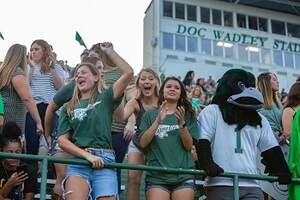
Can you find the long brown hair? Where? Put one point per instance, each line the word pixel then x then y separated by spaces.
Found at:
pixel 97 88
pixel 138 90
pixel 293 97
pixel 182 101
pixel 47 59
pixel 264 86
pixel 15 57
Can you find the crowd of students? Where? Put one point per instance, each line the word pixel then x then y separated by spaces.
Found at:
pixel 98 112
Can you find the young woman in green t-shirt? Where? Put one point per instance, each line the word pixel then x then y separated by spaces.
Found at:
pixel 85 130
pixel 167 134
pixel 1 111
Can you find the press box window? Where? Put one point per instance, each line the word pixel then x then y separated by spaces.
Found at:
pixel 252 22
pixel 228 19
pixel 218 49
pixel 180 42
pixel 179 10
pixel 241 20
pixel 168 41
pixel 278 27
pixel 192 44
pixel 191 13
pixel 293 30
pixel 217 15
pixel 205 15
pixel 243 53
pixel 167 9
pixel 266 56
pixel 288 60
pixel 277 57
pixel 297 60
pixel 263 24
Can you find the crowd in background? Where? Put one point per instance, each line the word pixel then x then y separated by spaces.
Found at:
pixel 44 106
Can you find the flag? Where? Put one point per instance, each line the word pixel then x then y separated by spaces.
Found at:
pixel 1 36
pixel 294 157
pixel 79 39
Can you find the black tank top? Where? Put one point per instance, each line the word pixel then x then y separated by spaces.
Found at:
pixel 141 113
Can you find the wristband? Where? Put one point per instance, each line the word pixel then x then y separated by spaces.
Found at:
pixel 183 126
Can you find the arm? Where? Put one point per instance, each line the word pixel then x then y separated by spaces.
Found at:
pixel 50 112
pixel 127 72
pixel 147 137
pixel 20 84
pixel 287 120
pixel 58 82
pixel 65 143
pixel 185 136
pixel 129 109
pixel 29 196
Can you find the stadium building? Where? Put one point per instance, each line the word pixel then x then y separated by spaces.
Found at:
pixel 212 36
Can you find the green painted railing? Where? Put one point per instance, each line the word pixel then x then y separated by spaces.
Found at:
pixel 46 159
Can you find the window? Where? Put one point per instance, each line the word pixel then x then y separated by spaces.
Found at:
pixel 277 57
pixel 288 59
pixel 241 20
pixel 297 60
pixel 217 49
pixel 229 53
pixel 293 30
pixel 263 24
pixel 252 22
pixel 228 19
pixel 168 41
pixel 192 44
pixel 206 46
pixel 243 53
pixel 191 13
pixel 205 15
pixel 278 27
pixel 167 9
pixel 217 15
pixel 180 42
pixel 266 56
pixel 254 54
pixel 179 11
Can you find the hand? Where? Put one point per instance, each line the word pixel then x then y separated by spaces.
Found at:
pixel 17 179
pixel 107 47
pixel 39 129
pixel 129 131
pixel 213 170
pixel 163 112
pixel 180 115
pixel 284 179
pixel 48 140
pixel 96 161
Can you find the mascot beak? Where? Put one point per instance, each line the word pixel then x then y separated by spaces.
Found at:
pixel 249 98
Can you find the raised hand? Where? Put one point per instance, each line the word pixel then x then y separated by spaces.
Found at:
pixel 107 47
pixel 17 179
pixel 163 112
pixel 180 115
pixel 129 131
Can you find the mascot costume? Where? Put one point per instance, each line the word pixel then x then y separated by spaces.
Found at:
pixel 232 134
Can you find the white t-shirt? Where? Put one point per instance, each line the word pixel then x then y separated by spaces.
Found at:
pixel 224 145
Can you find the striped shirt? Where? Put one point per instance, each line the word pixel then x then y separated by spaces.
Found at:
pixel 42 85
pixel 14 108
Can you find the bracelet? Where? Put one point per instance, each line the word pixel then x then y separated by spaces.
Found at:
pixel 183 126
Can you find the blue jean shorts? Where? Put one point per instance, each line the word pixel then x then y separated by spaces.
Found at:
pixel 170 188
pixel 102 182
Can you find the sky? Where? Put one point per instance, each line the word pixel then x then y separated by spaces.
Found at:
pixel 56 21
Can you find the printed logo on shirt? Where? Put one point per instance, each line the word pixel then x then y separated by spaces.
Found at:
pixel 81 113
pixel 163 130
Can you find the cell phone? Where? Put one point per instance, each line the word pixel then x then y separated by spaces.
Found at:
pixel 22 168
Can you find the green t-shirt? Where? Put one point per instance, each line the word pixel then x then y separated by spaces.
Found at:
pixel 90 124
pixel 1 106
pixel 166 148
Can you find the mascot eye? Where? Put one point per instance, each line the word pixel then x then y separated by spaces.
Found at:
pixel 241 85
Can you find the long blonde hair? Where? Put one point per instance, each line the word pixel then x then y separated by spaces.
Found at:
pixel 15 57
pixel 48 57
pixel 264 86
pixel 97 88
pixel 138 89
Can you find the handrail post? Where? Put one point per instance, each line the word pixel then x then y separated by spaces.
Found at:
pixel 236 187
pixel 44 178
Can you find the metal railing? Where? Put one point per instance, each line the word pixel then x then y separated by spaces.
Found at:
pixel 46 159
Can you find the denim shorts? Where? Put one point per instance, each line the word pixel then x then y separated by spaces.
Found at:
pixel 170 188
pixel 102 182
pixel 132 148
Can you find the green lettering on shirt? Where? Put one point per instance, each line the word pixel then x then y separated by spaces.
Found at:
pixel 238 148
